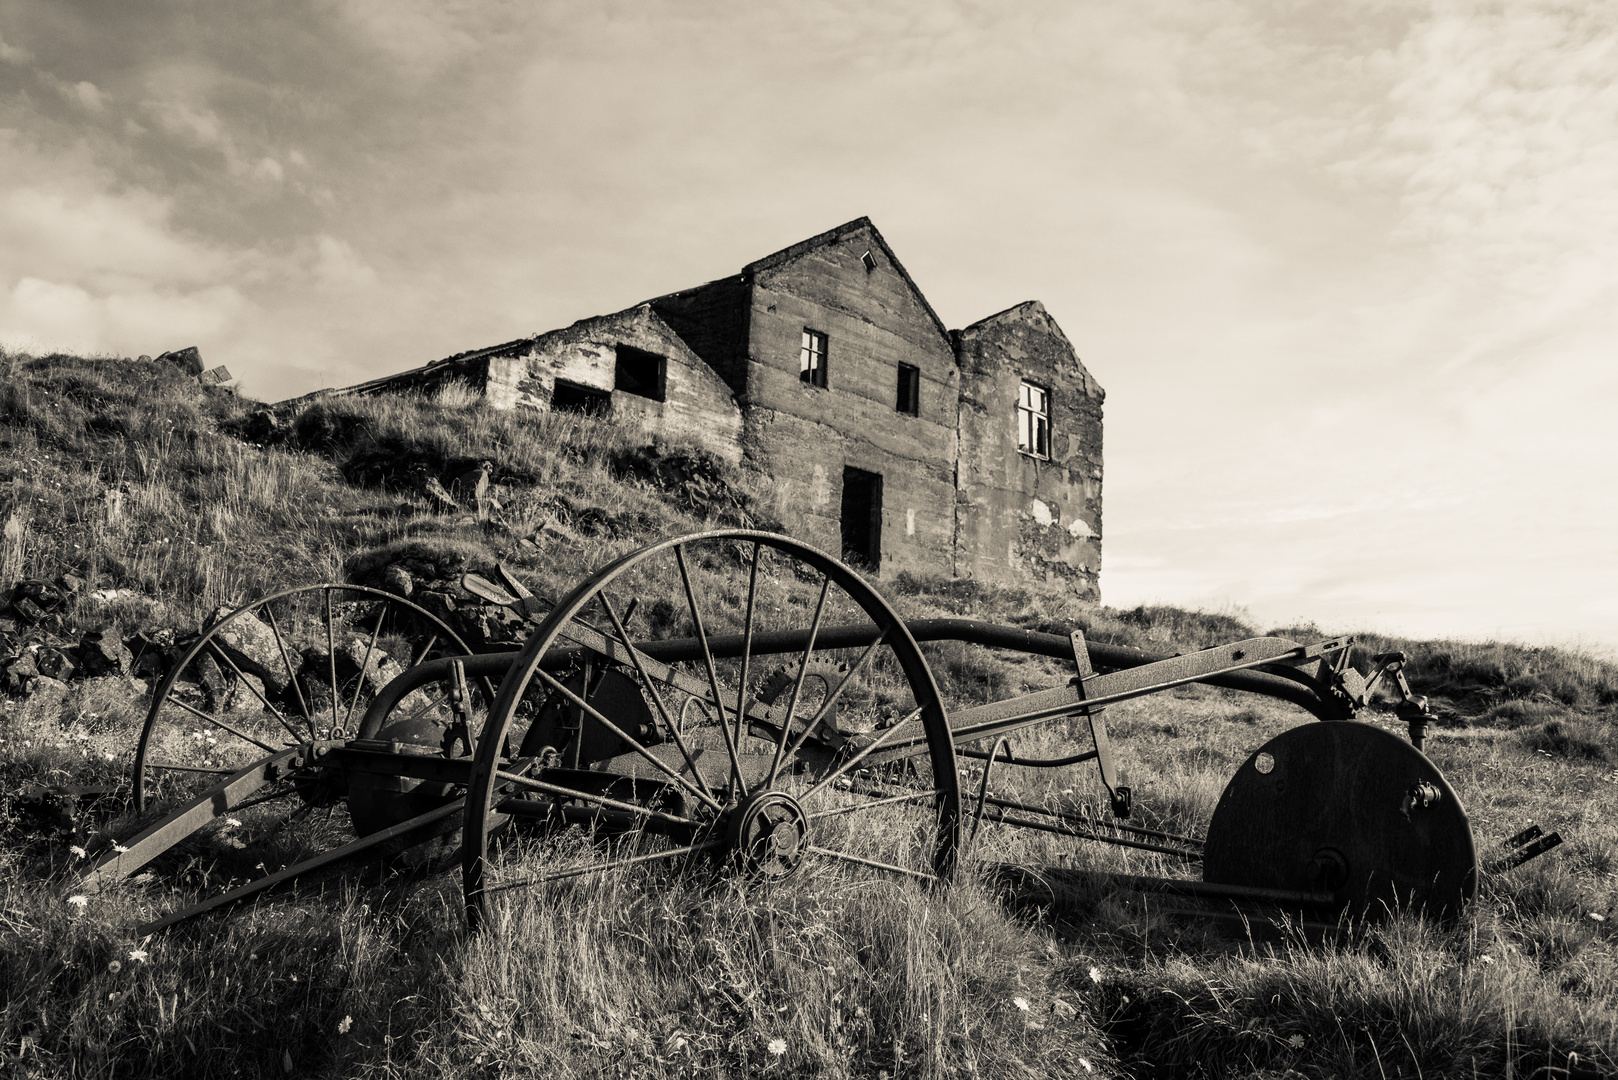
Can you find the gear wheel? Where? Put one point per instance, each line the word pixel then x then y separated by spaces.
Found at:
pixel 823 677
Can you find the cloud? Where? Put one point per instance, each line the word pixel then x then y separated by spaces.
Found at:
pixel 339 266
pixel 66 316
pixel 12 54
pixel 88 96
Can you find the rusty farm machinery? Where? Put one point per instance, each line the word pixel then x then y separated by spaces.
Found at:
pixel 739 701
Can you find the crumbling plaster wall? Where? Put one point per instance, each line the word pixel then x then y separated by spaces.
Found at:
pixel 697 406
pixel 804 436
pixel 1019 516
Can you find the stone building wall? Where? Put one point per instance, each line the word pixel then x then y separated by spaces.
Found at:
pixel 805 436
pixel 697 406
pixel 1020 516
pixel 954 491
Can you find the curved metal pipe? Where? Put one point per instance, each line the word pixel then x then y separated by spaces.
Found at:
pixel 1293 687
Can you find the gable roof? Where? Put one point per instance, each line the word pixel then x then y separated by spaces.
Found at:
pixel 831 236
pixel 1021 311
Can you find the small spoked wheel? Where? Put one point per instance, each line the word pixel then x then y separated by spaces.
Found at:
pixel 734 693
pixel 300 666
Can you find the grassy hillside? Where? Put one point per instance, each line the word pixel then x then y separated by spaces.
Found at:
pixel 136 503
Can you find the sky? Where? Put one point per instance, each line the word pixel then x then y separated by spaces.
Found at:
pixel 1348 271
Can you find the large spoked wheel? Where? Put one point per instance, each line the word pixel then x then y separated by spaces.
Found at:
pixel 736 693
pixel 296 667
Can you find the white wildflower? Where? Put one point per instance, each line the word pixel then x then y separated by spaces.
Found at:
pixel 1095 975
pixel 137 956
pixel 344 1025
pixel 119 848
pixel 1021 1003
pixel 1296 1042
pixel 77 852
pixel 78 901
pixel 777 1047
pixel 232 823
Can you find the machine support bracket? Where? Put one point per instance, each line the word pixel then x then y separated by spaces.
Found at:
pixel 1120 797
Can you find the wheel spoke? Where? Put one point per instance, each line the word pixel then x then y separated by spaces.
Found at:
pixel 189 768
pixel 713 673
pixel 602 868
pixel 797 686
pixel 574 793
pixel 259 800
pixel 889 801
pixel 419 710
pixel 213 645
pixel 331 660
pixel 747 647
pixel 657 697
pixel 857 758
pixel 837 692
pixel 845 856
pixel 359 684
pixel 427 648
pixel 557 685
pixel 292 675
pixel 221 724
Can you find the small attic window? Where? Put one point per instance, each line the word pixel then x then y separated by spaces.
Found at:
pixel 640 372
pixel 869 260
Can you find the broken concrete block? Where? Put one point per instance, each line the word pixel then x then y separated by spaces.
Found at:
pixel 188 359
pixel 396 579
pixel 29 610
pixel 103 654
pixel 215 376
pixel 436 494
pixel 56 664
pixel 18 672
pixel 252 646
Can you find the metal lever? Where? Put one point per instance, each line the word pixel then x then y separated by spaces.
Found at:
pixel 1120 797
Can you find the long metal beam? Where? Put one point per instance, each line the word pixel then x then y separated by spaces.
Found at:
pixel 1107 659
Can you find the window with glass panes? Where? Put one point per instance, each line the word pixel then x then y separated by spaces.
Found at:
pixel 1034 420
pixel 812 358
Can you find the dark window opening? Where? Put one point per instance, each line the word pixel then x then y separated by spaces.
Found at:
pixel 571 397
pixel 862 518
pixel 640 372
pixel 812 359
pixel 908 397
pixel 868 261
pixel 1034 420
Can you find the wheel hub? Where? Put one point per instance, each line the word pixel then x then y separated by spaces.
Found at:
pixel 770 834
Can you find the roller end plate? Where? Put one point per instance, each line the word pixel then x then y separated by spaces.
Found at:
pixel 1350 809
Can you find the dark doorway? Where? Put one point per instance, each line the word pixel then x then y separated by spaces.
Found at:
pixel 862 518
pixel 571 397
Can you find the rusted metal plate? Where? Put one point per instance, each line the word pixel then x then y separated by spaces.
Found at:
pixel 1350 809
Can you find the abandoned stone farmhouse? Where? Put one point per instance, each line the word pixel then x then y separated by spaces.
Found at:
pixel 898 442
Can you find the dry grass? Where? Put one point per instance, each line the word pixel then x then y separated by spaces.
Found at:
pixel 677 971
